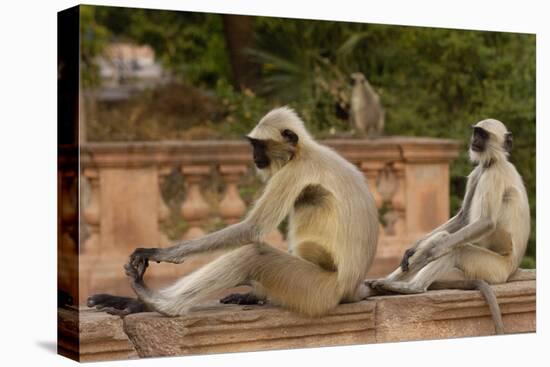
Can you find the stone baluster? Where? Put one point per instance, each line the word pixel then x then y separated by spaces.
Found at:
pixel 232 207
pixel 163 210
pixel 398 200
pixel 92 212
pixel 370 171
pixel 194 208
pixel 387 185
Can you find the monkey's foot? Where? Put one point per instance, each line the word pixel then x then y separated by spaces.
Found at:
pixel 370 283
pixel 242 299
pixel 397 287
pixel 367 290
pixel 115 305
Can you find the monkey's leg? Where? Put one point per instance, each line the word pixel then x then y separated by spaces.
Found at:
pixel 288 280
pixel 225 272
pixel 417 251
pixel 451 226
pixel 116 305
pixel 479 266
pixel 442 246
pixel 399 277
pixel 421 280
pixel 481 263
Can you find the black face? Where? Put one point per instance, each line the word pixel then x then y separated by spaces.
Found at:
pixel 480 137
pixel 282 151
pixel 261 159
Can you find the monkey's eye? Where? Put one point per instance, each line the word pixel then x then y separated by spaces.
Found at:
pixel 482 133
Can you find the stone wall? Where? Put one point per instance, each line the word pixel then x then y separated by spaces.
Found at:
pixel 217 328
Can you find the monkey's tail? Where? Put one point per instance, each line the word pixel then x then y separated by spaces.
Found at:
pixel 485 290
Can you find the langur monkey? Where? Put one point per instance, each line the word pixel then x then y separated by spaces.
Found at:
pixel 366 112
pixel 333 234
pixel 486 240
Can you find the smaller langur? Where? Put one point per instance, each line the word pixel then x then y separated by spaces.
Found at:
pixel 366 112
pixel 333 234
pixel 486 240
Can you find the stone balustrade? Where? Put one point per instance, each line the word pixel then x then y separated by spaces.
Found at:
pixel 123 207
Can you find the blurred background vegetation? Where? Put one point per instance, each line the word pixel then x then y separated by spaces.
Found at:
pixel 223 72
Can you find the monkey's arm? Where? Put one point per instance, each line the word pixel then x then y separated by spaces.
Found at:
pixel 451 226
pixel 469 233
pixel 235 235
pixel 490 203
pixel 269 211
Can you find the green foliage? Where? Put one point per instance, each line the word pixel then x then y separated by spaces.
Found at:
pixel 190 45
pixel 93 35
pixel 242 109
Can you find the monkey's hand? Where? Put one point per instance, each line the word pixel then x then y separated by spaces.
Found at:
pixel 175 254
pixel 144 254
pixel 435 249
pixel 139 261
pixel 406 256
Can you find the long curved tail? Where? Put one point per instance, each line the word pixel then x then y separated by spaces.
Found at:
pixel 485 290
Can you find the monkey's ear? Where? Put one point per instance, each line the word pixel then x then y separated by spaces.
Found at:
pixel 508 142
pixel 290 136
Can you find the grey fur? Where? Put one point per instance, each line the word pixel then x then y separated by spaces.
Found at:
pixel 366 112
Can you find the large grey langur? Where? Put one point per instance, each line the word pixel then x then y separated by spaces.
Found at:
pixel 486 240
pixel 366 112
pixel 332 235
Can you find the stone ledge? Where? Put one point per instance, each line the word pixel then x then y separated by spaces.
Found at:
pixel 89 335
pixel 215 328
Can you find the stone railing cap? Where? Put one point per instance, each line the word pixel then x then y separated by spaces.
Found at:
pixel 388 149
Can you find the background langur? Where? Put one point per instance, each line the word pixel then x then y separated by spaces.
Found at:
pixel 333 233
pixel 486 240
pixel 366 112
